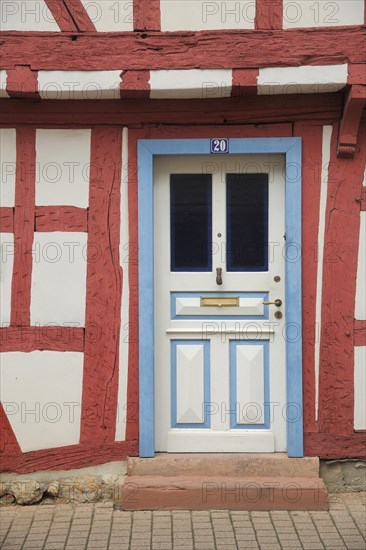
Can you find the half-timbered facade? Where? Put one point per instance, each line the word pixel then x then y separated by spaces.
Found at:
pixel 183 196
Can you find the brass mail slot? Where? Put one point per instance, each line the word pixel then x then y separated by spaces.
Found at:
pixel 219 301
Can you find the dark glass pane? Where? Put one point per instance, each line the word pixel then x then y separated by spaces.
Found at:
pixel 247 222
pixel 190 222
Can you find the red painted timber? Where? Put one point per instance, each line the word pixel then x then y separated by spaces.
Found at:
pixel 103 289
pixel 23 225
pixel 336 380
pixel 50 338
pixel 333 446
pixel 363 199
pixel 6 219
pixel 233 110
pixel 66 458
pixel 22 82
pixel 312 137
pixel 146 15
pixel 269 14
pixel 184 50
pixel 244 82
pixel 61 218
pixel 360 333
pixel 61 15
pixel 135 84
pixel 357 73
pixel 79 15
pixel 8 442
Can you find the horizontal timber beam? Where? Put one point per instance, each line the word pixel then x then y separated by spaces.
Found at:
pixel 183 50
pixel 235 110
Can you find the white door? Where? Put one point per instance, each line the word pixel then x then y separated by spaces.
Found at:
pixel 220 357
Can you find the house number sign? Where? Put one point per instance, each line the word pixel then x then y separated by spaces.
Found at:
pixel 219 146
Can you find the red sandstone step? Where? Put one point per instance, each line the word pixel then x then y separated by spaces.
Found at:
pixel 224 464
pixel 224 493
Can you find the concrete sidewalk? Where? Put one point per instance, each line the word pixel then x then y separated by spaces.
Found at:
pixel 99 526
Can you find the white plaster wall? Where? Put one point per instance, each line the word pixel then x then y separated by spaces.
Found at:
pixel 58 291
pixel 125 327
pixel 41 395
pixel 191 83
pixel 8 166
pixel 360 310
pixel 79 84
pixel 322 13
pixel 26 15
pixel 360 388
pixel 306 79
pixel 3 79
pixel 196 15
pixel 110 15
pixel 63 166
pixel 6 274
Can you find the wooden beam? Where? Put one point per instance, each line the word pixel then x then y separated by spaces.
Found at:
pixel 269 14
pixel 146 15
pixel 351 118
pixel 359 333
pixel 50 338
pixel 66 458
pixel 184 50
pixel 70 15
pixel 61 218
pixel 234 110
pixel 335 445
pixel 6 219
pixel 22 82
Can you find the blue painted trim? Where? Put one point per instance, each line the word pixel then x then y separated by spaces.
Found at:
pixel 206 382
pixel 175 295
pixel 233 344
pixel 291 147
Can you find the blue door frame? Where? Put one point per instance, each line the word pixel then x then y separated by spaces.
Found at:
pixel 147 149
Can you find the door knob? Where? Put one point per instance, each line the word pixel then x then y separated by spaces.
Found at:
pixel 277 303
pixel 219 276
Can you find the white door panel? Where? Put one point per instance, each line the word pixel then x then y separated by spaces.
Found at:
pixel 220 370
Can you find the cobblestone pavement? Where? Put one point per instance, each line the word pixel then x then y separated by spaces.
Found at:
pixel 99 526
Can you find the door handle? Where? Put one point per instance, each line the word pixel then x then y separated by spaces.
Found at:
pixel 219 276
pixel 277 303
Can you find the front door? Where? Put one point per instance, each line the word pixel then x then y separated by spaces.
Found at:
pixel 219 291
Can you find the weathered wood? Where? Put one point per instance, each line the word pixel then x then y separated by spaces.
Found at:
pixel 66 458
pixel 22 83
pixel 359 333
pixel 351 118
pixel 79 15
pixel 103 289
pixel 269 14
pixel 61 15
pixel 184 50
pixel 363 199
pixel 335 445
pixel 135 84
pixel 61 218
pixel 50 338
pixel 244 82
pixel 312 137
pixel 336 380
pixel 8 442
pixel 23 225
pixel 234 110
pixel 146 15
pixel 6 219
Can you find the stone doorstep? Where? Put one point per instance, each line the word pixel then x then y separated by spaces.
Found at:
pixel 224 493
pixel 227 464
